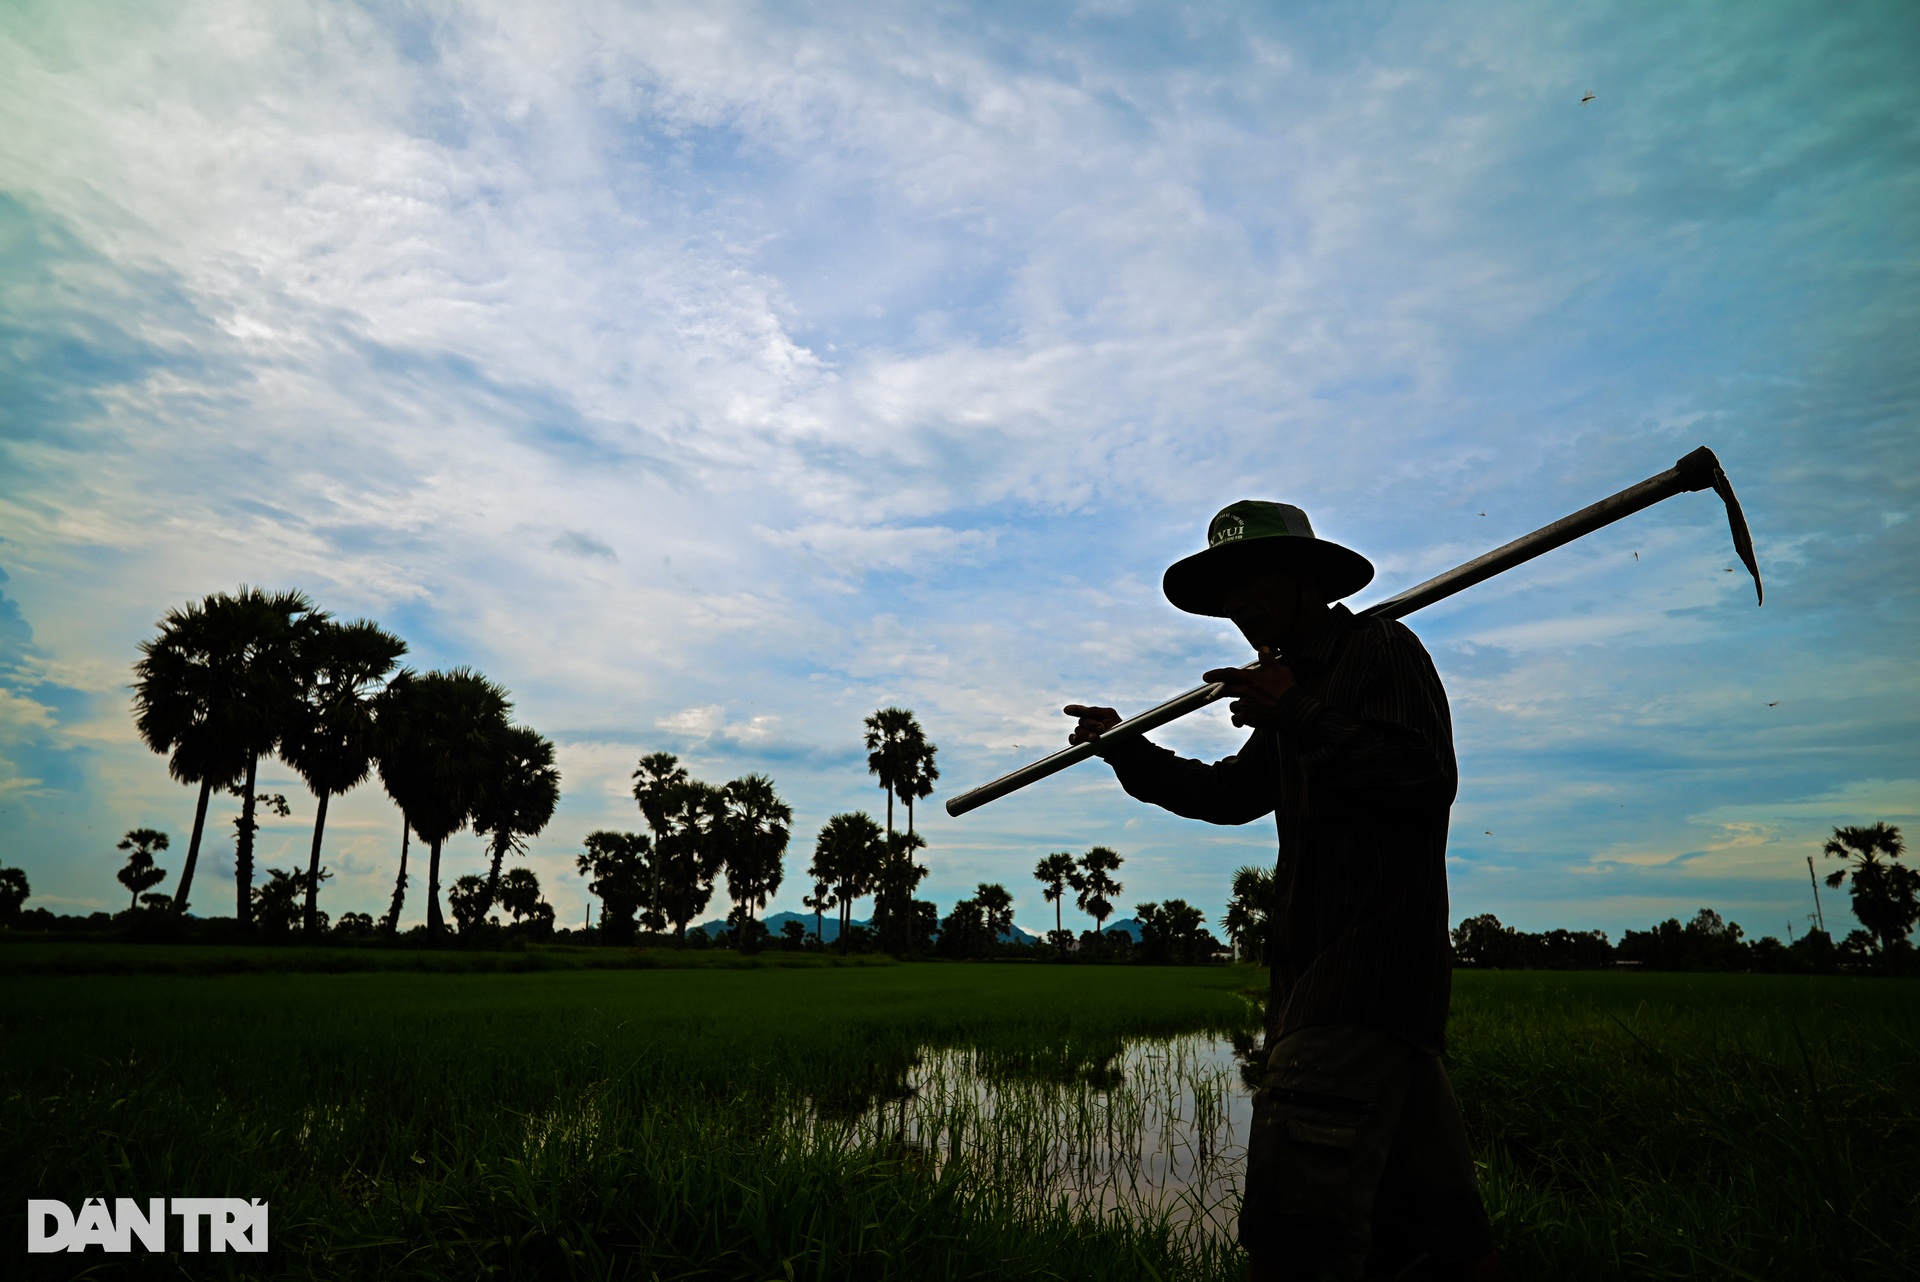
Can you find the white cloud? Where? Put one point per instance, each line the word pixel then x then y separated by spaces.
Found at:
pixel 17 713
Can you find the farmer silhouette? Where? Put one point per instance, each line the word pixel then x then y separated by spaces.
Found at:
pixel 1357 1164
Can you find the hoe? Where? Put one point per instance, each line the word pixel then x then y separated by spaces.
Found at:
pixel 1699 470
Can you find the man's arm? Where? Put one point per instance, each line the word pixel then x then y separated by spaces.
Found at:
pixel 1391 741
pixel 1234 790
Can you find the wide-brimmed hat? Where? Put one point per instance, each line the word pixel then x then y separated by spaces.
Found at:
pixel 1251 536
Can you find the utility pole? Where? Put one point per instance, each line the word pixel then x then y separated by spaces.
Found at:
pixel 1817 914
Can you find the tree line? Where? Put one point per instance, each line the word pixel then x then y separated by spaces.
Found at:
pixel 252 674
pixel 697 832
pixel 665 876
pixel 242 676
pixel 656 882
pixel 1884 895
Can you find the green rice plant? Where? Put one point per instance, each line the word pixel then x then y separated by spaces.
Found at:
pixel 20 959
pixel 1695 1125
pixel 562 1123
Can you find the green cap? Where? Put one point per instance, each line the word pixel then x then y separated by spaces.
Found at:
pixel 1252 536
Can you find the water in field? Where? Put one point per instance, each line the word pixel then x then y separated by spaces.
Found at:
pixel 1159 1127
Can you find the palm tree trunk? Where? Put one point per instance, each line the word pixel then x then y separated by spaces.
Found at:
pixel 493 874
pixel 1057 927
pixel 400 882
pixel 193 849
pixel 243 849
pixel 313 865
pixel 435 924
pixel 653 904
pixel 818 919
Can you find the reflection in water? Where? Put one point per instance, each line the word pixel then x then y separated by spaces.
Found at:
pixel 1158 1128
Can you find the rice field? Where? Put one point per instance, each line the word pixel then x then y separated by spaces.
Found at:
pixel 923 1120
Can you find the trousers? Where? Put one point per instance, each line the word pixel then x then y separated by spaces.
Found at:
pixel 1357 1162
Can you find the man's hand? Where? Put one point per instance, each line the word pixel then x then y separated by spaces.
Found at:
pixel 1255 694
pixel 1094 722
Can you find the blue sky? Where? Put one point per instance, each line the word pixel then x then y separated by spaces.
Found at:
pixel 712 374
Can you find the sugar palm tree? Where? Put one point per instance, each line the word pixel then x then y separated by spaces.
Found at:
pixel 851 846
pixel 266 630
pixel 818 901
pixel 435 748
pixel 519 892
pixel 520 896
pixel 1056 873
pixel 331 744
pixel 654 781
pixel 889 732
pixel 822 897
pixel 467 899
pixel 180 685
pixel 996 909
pixel 893 886
pixel 391 711
pixel 918 774
pixel 756 828
pixel 691 852
pixel 1097 886
pixel 1886 894
pixel 140 873
pixel 1249 911
pixel 217 689
pixel 518 793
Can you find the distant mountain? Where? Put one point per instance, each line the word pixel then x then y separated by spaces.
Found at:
pixel 776 922
pixel 1126 926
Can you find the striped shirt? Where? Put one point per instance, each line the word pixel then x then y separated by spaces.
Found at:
pixel 1357 768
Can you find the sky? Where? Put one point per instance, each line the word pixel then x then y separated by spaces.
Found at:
pixel 712 374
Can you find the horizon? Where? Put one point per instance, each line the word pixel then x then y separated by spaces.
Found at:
pixel 711 378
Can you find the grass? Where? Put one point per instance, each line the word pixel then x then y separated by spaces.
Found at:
pixel 682 1123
